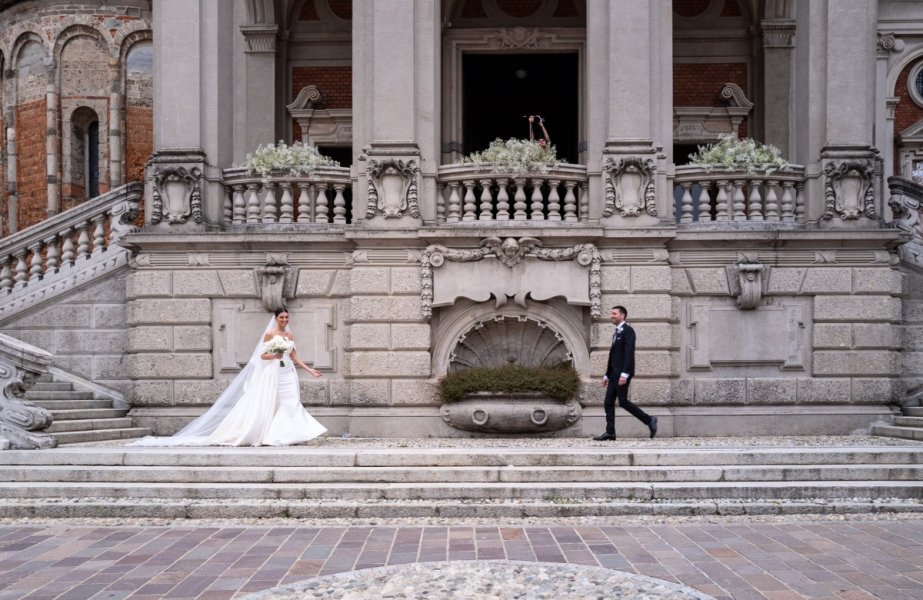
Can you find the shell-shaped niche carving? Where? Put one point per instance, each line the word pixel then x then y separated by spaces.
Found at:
pixel 505 340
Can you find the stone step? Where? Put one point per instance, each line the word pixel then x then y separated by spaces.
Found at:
pixel 37 396
pixel 52 386
pixel 100 435
pixel 305 509
pixel 907 433
pixel 410 492
pixel 475 475
pixel 913 411
pixel 473 457
pixel 909 421
pixel 59 426
pixel 72 404
pixel 90 413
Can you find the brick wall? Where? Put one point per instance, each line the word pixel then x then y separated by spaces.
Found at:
pixel 334 82
pixel 139 141
pixel 906 113
pixel 699 84
pixel 30 165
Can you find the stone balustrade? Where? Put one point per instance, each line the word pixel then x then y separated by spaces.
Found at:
pixel 718 195
pixel 284 198
pixel 65 242
pixel 471 193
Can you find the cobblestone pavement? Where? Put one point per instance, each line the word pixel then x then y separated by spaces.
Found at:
pixel 786 558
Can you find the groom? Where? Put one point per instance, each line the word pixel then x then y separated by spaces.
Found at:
pixel 621 368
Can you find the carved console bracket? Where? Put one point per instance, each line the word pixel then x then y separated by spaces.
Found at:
pixel 707 123
pixel 176 195
pixel 20 421
pixel 906 203
pixel 630 187
pixel 276 281
pixel 750 285
pixel 320 125
pixel 392 188
pixel 849 193
pixel 511 253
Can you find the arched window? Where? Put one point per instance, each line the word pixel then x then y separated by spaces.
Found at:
pixel 81 168
pixel 91 151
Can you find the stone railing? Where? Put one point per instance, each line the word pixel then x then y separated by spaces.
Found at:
pixel 472 194
pixel 284 198
pixel 716 195
pixel 59 253
pixel 20 421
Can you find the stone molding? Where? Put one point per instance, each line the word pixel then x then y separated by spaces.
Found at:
pixel 848 190
pixel 276 281
pixel 519 38
pixel 176 195
pixel 701 123
pixel 887 43
pixel 392 188
pixel 778 33
pixel 791 258
pixel 20 421
pixel 630 186
pixel 260 39
pixel 320 125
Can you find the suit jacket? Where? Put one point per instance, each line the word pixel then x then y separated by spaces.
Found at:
pixel 622 354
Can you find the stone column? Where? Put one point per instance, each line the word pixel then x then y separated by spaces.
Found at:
pixel 116 99
pixel 52 157
pixel 888 45
pixel 778 100
pixel 9 82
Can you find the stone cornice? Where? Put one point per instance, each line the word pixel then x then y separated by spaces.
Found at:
pixel 260 38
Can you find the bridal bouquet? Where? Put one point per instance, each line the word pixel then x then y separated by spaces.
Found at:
pixel 278 345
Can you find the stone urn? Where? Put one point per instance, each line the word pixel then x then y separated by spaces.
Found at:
pixel 523 412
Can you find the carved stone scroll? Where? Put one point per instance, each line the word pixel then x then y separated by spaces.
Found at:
pixel 20 421
pixel 392 188
pixel 848 190
pixel 630 187
pixel 176 195
pixel 276 281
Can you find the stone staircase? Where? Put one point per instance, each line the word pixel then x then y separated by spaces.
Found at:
pixel 78 416
pixel 908 427
pixel 320 482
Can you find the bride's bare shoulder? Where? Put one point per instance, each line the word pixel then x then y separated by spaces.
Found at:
pixel 267 336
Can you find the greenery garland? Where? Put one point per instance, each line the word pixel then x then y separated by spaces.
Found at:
pixel 744 154
pixel 297 160
pixel 561 382
pixel 515 156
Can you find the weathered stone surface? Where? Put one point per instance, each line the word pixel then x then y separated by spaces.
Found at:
pixel 369 280
pixel 110 367
pixel 196 284
pixel 880 280
pixel 414 392
pixel 720 391
pixel 369 392
pixel 912 362
pixel 683 391
pixel 876 335
pixel 771 391
pixel 149 284
pixel 192 337
pixel 90 342
pixel 180 311
pixel 370 336
pixel 876 390
pixel 712 281
pixel 238 284
pixel 650 392
pixel 156 338
pixel 43 338
pixel 649 335
pixel 640 306
pixel 340 285
pixel 79 365
pixel 821 391
pixel 315 391
pixel 385 308
pixel 913 311
pixel 410 336
pixel 912 337
pixel 651 279
pixel 406 280
pixel 598 361
pixel 179 366
pixel 829 335
pixel 109 315
pixel 55 317
pixel 784 280
pixel 856 362
pixel 827 280
pixel 109 290
pixel 198 392
pixel 151 393
pixel 681 284
pixel 390 364
pixel 653 363
pixel 857 308
pixel 616 279
pixel 313 282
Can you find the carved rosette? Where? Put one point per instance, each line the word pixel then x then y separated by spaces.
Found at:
pixel 176 195
pixel 275 281
pixel 21 421
pixel 630 187
pixel 392 188
pixel 848 190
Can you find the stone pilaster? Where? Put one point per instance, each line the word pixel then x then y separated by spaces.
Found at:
pixel 778 51
pixel 116 99
pixel 9 85
pixel 52 153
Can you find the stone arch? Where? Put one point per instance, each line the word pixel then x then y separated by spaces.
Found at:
pixel 911 56
pixel 74 31
pixel 261 12
pixel 560 317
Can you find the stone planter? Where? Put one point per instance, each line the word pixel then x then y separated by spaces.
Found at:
pixel 488 412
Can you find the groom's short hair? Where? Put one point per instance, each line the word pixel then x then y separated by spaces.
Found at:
pixel 621 309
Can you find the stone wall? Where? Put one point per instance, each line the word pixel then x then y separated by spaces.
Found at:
pixel 912 338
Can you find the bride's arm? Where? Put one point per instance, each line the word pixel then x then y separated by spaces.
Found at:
pixel 300 363
pixel 269 355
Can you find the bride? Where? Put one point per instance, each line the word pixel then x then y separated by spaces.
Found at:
pixel 261 406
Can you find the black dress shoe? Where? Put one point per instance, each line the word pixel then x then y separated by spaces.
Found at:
pixel 653 427
pixel 604 437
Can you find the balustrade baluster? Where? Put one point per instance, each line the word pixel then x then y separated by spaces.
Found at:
pixel 83 240
pixel 519 199
pixel 20 277
pixel 323 204
pixel 704 202
pixel 6 278
pixel 470 206
pixel 269 213
pixel 339 203
pixel 304 202
pixel 51 254
pixel 239 215
pixel 35 264
pixel 440 202
pixel 286 204
pixel 788 201
pixel 721 201
pixel 685 204
pixel 535 209
pixel 755 208
pixel 739 205
pixel 584 202
pixel 253 203
pixel 99 232
pixel 554 200
pixel 503 200
pixel 67 248
pixel 772 200
pixel 799 202
pixel 570 202
pixel 454 212
pixel 228 207
pixel 487 202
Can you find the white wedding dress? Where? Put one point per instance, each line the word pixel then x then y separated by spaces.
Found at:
pixel 261 407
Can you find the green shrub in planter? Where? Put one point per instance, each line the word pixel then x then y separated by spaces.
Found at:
pixel 560 382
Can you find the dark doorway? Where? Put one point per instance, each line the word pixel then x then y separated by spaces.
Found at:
pixel 92 154
pixel 501 90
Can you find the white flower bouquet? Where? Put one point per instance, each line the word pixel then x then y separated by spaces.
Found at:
pixel 278 345
pixel 515 156
pixel 740 154
pixel 296 159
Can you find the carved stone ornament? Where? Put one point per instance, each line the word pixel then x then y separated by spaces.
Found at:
pixel 176 195
pixel 511 254
pixel 508 413
pixel 888 43
pixel 630 187
pixel 276 281
pixel 516 38
pixel 848 190
pixel 392 188
pixel 123 218
pixel 750 280
pixel 20 421
pixel 906 203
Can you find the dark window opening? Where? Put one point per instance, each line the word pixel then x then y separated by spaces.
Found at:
pixel 344 156
pixel 92 154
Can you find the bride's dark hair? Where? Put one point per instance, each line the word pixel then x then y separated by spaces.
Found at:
pixel 279 311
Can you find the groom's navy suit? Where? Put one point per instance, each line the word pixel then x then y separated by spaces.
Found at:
pixel 621 360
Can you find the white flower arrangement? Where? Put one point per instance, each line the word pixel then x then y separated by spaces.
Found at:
pixel 740 154
pixel 515 156
pixel 296 159
pixel 278 345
